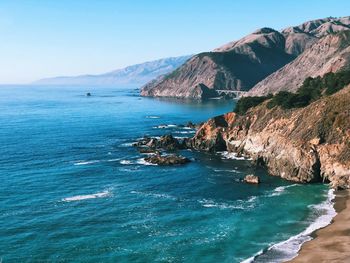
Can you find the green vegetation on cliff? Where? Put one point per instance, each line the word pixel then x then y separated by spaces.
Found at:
pixel 245 103
pixel 311 90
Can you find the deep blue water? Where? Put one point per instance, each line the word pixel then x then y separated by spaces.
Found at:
pixel 73 189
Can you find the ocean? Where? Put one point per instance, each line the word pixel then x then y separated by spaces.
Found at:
pixel 74 189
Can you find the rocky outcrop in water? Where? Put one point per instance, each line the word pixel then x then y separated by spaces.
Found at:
pixel 167 159
pixel 165 142
pixel 310 144
pixel 240 65
pixel 251 179
pixel 154 147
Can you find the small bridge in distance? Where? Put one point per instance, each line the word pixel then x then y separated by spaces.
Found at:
pixel 236 93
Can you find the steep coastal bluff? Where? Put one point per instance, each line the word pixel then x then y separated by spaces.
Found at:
pixel 248 63
pixel 310 144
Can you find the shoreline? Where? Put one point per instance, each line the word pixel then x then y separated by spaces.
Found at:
pixel 331 243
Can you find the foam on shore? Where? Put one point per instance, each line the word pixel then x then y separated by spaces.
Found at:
pixel 288 249
pixel 232 156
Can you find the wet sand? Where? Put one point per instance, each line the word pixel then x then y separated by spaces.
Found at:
pixel 332 243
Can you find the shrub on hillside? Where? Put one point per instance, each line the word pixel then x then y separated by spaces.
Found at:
pixel 245 103
pixel 311 90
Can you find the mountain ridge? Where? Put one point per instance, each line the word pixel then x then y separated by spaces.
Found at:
pixel 137 74
pixel 330 54
pixel 240 65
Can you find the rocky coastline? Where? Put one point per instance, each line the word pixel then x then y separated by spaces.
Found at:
pixel 163 150
pixel 304 145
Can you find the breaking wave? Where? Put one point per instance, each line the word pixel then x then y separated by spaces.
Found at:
pixel 288 249
pixel 85 197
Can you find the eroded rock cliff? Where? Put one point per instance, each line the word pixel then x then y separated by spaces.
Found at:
pixel 310 144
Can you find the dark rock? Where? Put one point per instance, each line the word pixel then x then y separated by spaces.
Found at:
pixel 147 150
pixel 165 142
pixel 167 159
pixel 168 142
pixel 142 142
pixel 88 94
pixel 186 143
pixel 191 125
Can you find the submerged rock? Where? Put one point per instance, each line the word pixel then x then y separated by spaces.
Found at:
pixel 191 125
pixel 167 159
pixel 251 179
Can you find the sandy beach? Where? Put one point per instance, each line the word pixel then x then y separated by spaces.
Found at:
pixel 330 244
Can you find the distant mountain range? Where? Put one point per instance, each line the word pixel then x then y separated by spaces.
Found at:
pixel 265 61
pixel 136 74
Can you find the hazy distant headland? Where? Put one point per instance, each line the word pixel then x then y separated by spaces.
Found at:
pixel 138 74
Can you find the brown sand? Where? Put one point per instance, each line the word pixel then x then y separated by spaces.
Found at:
pixel 332 243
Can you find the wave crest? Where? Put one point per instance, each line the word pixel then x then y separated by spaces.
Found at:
pixel 84 197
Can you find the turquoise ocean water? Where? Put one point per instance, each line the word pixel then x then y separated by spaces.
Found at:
pixel 73 189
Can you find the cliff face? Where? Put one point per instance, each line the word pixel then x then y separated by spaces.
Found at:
pixel 239 65
pixel 330 54
pixel 303 145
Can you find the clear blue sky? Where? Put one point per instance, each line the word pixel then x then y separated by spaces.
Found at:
pixel 43 38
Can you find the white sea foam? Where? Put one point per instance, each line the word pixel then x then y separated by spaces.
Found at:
pixel 155 195
pixel 280 189
pixel 126 162
pixel 184 132
pixel 251 259
pixel 152 117
pixel 232 156
pixel 165 126
pixel 288 249
pixel 143 162
pixel 252 199
pixel 127 144
pixel 208 203
pixel 84 197
pixel 113 160
pixel 228 171
pixel 86 162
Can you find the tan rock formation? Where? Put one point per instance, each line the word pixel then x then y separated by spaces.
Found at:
pixel 310 144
